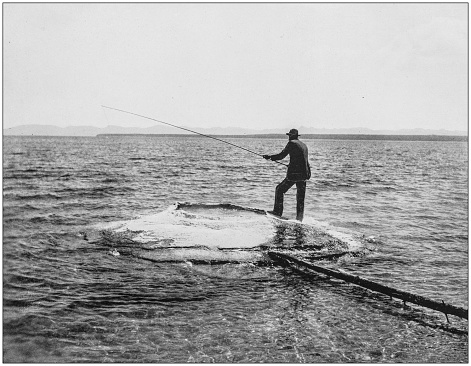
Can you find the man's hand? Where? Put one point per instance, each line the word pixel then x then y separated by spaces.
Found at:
pixel 267 157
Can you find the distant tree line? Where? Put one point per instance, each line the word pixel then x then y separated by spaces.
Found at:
pixel 320 137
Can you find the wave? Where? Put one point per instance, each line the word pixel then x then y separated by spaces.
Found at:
pixel 36 196
pixel 95 192
pixel 227 206
pixel 24 176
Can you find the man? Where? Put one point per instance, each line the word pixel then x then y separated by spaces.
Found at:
pixel 299 172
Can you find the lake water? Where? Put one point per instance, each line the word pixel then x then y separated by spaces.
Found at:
pixel 100 265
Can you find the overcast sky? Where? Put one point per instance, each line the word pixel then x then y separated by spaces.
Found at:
pixel 380 66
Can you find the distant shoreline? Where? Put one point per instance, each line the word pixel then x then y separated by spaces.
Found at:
pixel 358 137
pixel 314 136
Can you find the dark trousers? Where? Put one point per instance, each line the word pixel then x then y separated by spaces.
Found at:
pixel 282 188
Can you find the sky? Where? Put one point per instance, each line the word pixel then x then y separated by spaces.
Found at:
pixel 249 65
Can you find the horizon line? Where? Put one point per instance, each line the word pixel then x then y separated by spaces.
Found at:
pixel 384 137
pixel 252 130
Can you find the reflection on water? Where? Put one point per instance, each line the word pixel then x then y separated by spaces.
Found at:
pixel 292 236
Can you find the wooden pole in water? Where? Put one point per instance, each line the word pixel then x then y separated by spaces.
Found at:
pixel 403 295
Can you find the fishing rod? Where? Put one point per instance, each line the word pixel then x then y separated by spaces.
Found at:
pixel 186 129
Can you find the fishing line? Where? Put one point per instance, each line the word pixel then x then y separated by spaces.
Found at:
pixel 186 129
pixel 104 112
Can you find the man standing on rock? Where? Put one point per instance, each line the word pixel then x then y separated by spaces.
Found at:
pixel 299 172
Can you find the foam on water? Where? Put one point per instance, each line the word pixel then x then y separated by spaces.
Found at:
pixel 216 228
pixel 349 239
pixel 224 233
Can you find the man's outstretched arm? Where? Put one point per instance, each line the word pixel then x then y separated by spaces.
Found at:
pixel 279 156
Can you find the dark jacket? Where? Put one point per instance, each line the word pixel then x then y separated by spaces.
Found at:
pixel 298 168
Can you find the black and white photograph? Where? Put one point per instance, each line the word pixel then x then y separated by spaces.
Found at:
pixel 235 182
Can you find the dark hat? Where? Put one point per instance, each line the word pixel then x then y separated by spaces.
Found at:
pixel 293 132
